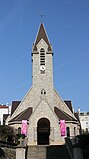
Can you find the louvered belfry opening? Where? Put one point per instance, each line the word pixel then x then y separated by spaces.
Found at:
pixel 43 131
pixel 42 56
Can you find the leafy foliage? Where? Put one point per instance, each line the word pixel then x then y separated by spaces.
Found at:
pixel 6 133
pixel 83 141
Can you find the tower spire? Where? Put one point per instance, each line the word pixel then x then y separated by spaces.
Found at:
pixel 42 35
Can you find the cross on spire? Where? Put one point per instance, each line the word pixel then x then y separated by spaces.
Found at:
pixel 41 15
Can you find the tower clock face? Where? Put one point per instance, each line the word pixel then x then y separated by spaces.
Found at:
pixel 42 68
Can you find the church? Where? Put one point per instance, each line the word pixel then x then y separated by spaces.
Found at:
pixel 46 113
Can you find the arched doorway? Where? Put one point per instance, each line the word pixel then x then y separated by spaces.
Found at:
pixel 43 131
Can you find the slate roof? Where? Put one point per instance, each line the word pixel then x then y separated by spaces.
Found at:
pixel 14 106
pixel 42 34
pixel 24 115
pixel 69 104
pixel 77 116
pixel 62 115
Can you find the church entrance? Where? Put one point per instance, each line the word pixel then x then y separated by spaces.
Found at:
pixel 43 131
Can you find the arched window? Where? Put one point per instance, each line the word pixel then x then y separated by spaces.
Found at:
pixel 42 56
pixel 43 92
pixel 68 131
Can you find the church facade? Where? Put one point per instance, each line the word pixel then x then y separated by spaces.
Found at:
pixel 42 106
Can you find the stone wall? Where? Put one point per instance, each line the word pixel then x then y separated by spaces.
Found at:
pixel 7 153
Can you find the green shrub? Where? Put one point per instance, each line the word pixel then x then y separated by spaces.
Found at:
pixel 6 133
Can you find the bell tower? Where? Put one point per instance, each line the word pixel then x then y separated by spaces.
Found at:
pixel 42 106
pixel 42 61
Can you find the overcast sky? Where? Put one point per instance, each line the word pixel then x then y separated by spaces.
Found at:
pixel 67 26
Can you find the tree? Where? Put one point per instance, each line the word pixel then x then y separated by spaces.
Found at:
pixel 7 133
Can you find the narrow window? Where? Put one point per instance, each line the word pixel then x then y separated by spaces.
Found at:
pixel 68 131
pixel 43 92
pixel 74 131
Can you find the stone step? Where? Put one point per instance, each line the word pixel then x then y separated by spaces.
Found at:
pixel 47 152
pixel 36 152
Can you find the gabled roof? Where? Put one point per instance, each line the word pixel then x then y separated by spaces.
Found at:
pixel 77 116
pixel 42 34
pixel 14 106
pixel 24 115
pixel 69 104
pixel 62 115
